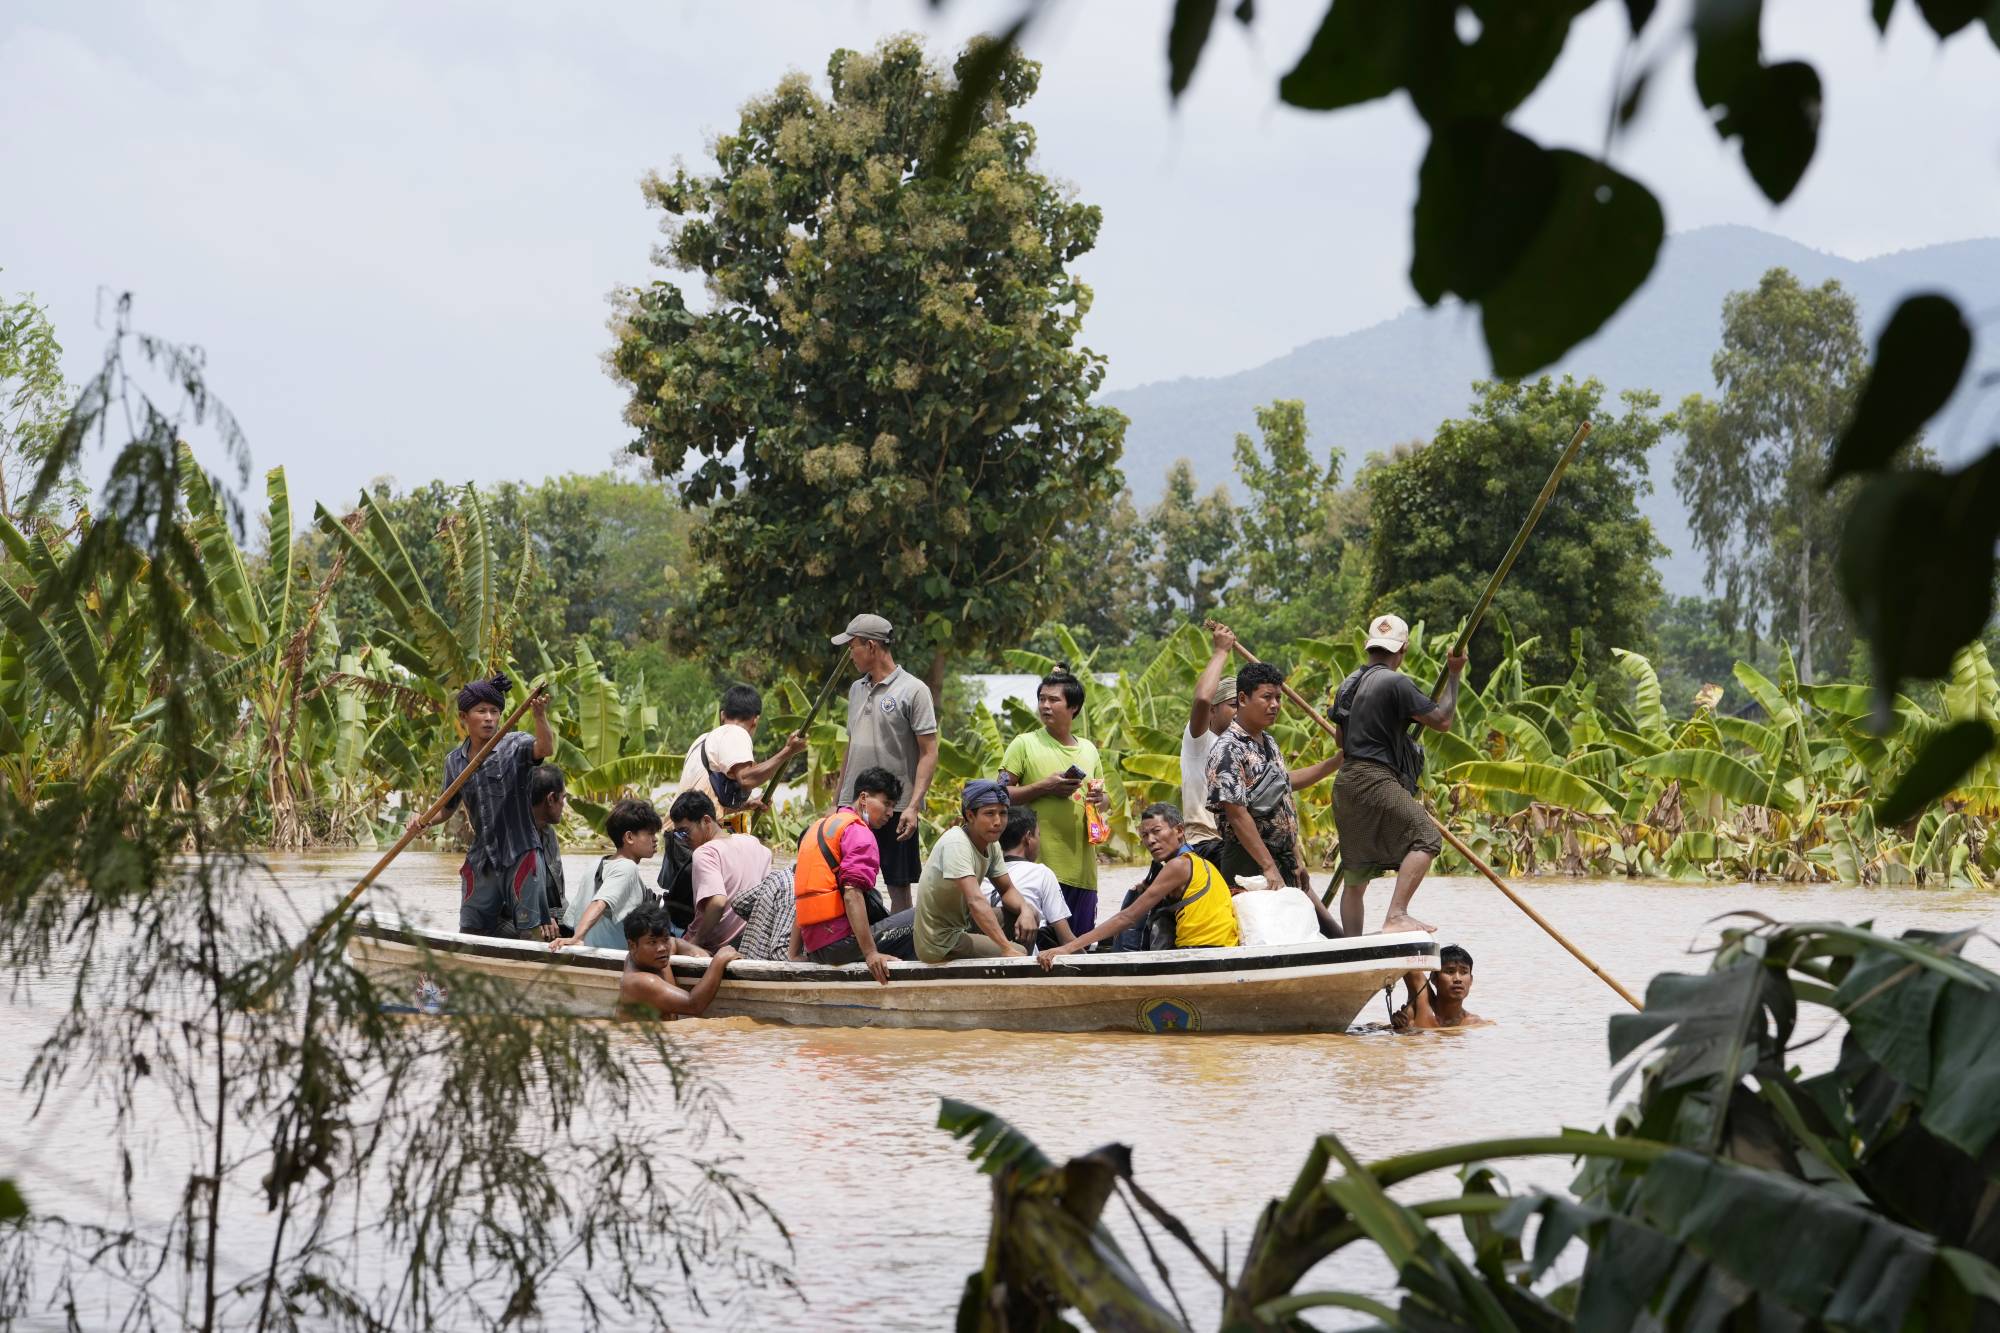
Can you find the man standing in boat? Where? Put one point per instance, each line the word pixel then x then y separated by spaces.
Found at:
pixel 506 846
pixel 1383 827
pixel 724 764
pixel 891 724
pixel 1209 715
pixel 1045 770
pixel 1250 790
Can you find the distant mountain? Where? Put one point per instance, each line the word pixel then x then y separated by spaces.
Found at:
pixel 1375 388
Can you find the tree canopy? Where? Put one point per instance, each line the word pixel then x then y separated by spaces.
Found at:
pixel 1789 370
pixel 34 401
pixel 884 406
pixel 1445 513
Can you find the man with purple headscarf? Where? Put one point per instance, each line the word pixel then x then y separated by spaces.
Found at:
pixel 503 876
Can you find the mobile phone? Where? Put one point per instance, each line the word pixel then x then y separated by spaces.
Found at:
pixel 1073 773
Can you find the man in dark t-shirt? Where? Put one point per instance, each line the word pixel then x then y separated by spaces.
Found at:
pixel 1383 827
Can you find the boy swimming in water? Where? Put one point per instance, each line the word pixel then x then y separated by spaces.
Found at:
pixel 1439 1000
pixel 648 980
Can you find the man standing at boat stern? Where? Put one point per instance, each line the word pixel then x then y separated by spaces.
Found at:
pixel 1384 829
pixel 506 847
pixel 891 724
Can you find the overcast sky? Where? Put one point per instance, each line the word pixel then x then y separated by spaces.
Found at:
pixel 393 225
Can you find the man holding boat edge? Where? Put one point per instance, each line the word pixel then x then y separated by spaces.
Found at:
pixel 1383 827
pixel 506 846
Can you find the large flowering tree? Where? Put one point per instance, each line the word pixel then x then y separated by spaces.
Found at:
pixel 883 406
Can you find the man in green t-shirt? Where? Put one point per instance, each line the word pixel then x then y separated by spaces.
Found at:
pixel 954 918
pixel 1042 770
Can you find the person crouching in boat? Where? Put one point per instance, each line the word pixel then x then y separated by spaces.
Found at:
pixel 506 848
pixel 634 829
pixel 740 897
pixel 1186 905
pixel 647 986
pixel 954 919
pixel 837 915
pixel 1438 1001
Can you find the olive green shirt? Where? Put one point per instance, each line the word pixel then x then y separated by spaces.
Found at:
pixel 943 916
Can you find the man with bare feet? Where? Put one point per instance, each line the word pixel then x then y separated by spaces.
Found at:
pixel 1439 1000
pixel 1383 827
pixel 648 982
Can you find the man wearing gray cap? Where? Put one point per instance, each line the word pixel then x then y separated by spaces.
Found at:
pixel 892 724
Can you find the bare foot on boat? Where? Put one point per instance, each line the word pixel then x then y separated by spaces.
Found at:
pixel 1401 921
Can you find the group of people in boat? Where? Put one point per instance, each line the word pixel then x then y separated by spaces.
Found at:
pixel 1016 874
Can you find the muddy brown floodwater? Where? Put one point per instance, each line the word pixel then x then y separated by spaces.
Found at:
pixel 838 1127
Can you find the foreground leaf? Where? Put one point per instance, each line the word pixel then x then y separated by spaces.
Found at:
pixel 1944 759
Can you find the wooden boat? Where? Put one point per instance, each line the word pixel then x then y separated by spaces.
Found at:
pixel 1315 987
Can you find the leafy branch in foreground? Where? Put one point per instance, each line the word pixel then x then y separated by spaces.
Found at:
pixel 1736 1187
pixel 292 1149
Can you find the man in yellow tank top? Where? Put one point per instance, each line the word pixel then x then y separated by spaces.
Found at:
pixel 1190 890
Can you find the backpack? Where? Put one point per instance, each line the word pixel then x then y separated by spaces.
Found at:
pixel 676 881
pixel 729 793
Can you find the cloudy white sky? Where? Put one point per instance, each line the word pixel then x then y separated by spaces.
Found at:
pixel 393 225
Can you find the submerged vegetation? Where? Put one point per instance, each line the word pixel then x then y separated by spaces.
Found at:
pixel 1736 1191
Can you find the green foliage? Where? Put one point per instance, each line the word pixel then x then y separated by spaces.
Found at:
pixel 1734 1192
pixel 1789 370
pixel 1195 541
pixel 1444 515
pixel 1287 529
pixel 34 400
pixel 153 708
pixel 887 393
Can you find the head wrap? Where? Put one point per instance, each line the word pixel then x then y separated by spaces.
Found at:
pixel 982 791
pixel 492 691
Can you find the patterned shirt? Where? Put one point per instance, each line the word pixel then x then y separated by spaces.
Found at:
pixel 496 800
pixel 1235 766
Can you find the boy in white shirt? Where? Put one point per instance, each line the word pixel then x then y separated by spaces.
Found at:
pixel 1021 844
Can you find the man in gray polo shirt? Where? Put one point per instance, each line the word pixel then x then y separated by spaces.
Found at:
pixel 892 724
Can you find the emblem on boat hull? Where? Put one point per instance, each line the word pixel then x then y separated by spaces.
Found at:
pixel 1167 1015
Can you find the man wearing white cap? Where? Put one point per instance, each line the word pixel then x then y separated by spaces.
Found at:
pixel 1383 828
pixel 891 724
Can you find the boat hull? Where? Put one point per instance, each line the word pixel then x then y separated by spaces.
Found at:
pixel 1317 987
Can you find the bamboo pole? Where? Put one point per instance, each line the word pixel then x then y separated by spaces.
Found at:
pixel 805 727
pixel 417 825
pixel 1467 853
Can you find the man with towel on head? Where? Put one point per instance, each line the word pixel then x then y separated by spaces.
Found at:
pixel 503 867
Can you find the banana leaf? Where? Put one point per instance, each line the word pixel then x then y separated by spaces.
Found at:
pixel 1539 782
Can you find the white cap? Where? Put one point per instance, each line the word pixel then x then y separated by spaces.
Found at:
pixel 1388 633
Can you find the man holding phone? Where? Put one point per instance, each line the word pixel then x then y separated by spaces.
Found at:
pixel 1054 771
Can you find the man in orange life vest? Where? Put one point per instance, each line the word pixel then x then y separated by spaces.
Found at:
pixel 838 915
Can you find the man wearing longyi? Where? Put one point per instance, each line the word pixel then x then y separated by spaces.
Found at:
pixel 1383 827
pixel 505 856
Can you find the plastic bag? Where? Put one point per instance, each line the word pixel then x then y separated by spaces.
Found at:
pixel 1094 823
pixel 1276 916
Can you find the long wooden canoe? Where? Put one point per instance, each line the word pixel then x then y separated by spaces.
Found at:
pixel 1316 987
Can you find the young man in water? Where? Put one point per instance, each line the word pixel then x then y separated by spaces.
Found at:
pixel 647 983
pixel 1438 1001
pixel 1185 884
pixel 506 849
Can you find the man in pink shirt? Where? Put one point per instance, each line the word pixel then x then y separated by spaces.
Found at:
pixel 740 898
pixel 834 884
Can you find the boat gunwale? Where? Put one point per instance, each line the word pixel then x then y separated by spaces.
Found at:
pixel 1235 964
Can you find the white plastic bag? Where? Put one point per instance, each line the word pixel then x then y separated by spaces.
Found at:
pixel 1275 916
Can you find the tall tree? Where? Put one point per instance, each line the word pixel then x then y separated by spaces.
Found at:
pixel 1753 461
pixel 1194 537
pixel 1287 530
pixel 34 401
pixel 1108 604
pixel 1445 514
pixel 885 406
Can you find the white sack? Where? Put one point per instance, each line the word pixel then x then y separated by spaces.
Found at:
pixel 1276 916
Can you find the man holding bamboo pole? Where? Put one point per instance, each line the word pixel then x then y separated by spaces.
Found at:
pixel 505 857
pixel 1383 827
